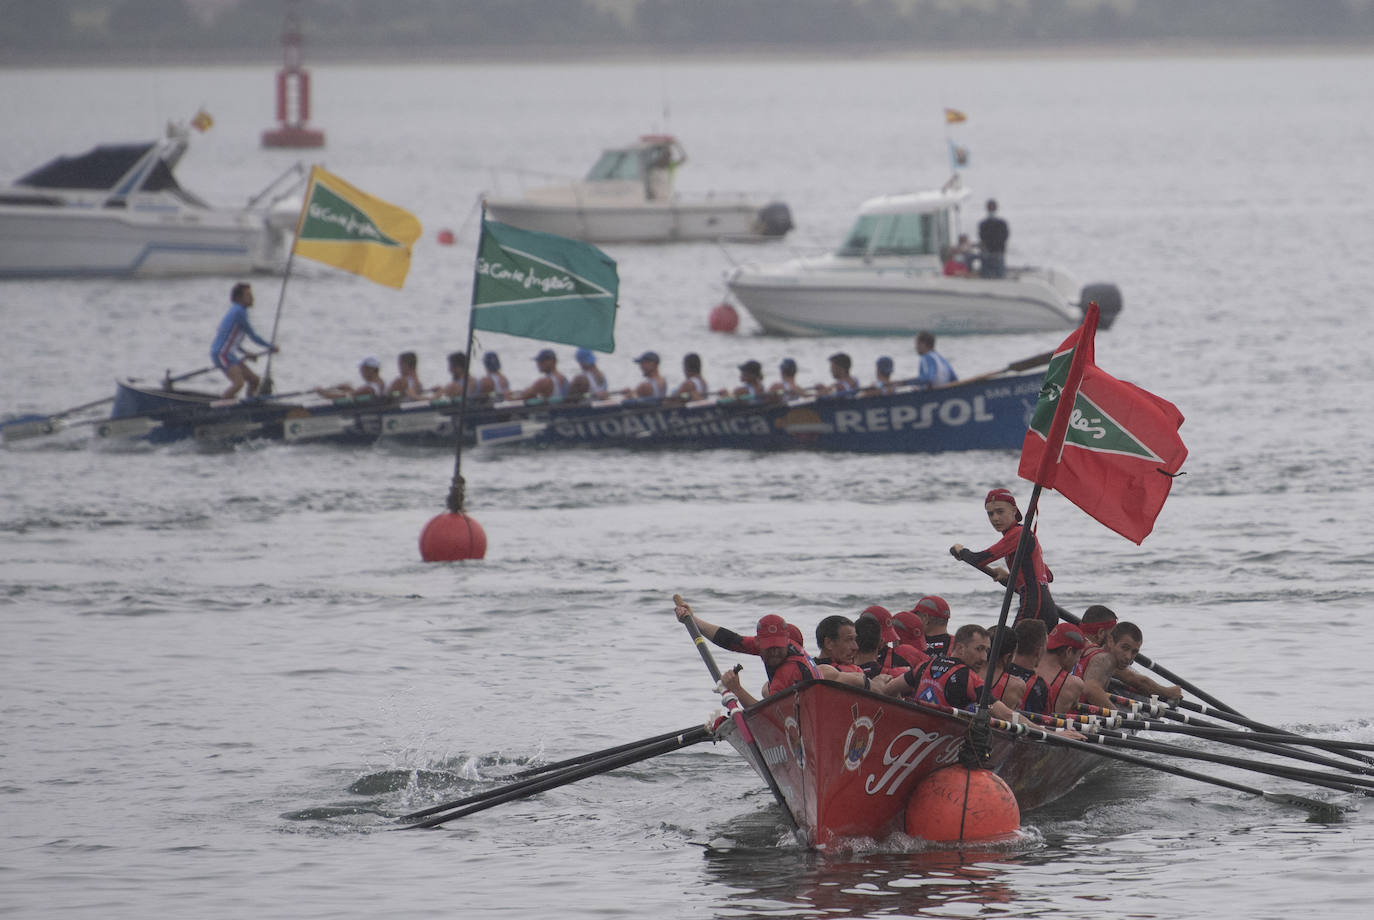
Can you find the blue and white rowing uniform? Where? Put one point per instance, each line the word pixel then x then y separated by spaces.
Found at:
pixel 224 351
pixel 934 371
pixel 658 386
pixel 560 383
pixel 846 386
pixel 596 384
pixel 698 386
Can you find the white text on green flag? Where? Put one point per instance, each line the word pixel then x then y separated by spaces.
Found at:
pixel 546 287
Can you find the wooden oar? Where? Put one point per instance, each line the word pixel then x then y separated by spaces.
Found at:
pixel 1157 707
pixel 1322 810
pixel 736 711
pixel 560 776
pixel 36 426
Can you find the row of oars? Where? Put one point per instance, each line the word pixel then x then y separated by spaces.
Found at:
pixel 1106 733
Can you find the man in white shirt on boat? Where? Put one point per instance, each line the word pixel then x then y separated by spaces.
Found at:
pixel 845 384
pixel 751 382
pixel 933 370
pixel 787 386
pixel 693 385
pixel 551 383
pixel 590 381
pixel 407 382
pixel 461 382
pixel 373 385
pixel 653 385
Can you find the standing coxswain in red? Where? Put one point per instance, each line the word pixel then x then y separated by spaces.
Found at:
pixel 1033 578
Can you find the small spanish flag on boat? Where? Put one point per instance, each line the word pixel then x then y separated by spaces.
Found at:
pixel 202 121
pixel 954 116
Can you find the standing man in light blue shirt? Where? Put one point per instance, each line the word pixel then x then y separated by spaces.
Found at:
pixel 225 352
pixel 934 370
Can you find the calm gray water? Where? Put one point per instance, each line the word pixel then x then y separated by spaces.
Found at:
pixel 224 673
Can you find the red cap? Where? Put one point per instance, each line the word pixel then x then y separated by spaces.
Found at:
pixel 932 606
pixel 1065 635
pixel 795 634
pixel 1092 629
pixel 772 632
pixel 909 627
pixel 888 634
pixel 1003 495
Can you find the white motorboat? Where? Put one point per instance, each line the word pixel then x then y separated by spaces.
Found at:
pixel 628 197
pixel 887 278
pixel 117 210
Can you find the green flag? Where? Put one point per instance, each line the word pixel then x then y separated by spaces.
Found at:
pixel 546 287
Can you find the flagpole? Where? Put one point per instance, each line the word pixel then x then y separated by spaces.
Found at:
pixel 1044 476
pixel 457 489
pixel 266 387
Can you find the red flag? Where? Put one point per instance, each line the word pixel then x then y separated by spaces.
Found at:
pixel 1106 445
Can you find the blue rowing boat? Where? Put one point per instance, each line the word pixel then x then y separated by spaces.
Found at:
pixel 982 414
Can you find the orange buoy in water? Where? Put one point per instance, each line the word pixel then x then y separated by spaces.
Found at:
pixel 956 803
pixel 723 318
pixel 446 237
pixel 451 536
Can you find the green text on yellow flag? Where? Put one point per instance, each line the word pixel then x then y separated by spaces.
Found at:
pixel 546 287
pixel 349 229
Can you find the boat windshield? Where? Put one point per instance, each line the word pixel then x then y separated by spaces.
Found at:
pixel 895 235
pixel 617 164
pixel 96 169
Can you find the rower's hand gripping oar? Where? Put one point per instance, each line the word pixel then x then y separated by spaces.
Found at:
pixel 732 705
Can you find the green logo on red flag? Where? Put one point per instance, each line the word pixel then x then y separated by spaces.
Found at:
pixel 1090 427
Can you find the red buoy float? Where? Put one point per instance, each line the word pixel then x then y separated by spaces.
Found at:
pixel 959 804
pixel 723 318
pixel 451 536
pixel 446 237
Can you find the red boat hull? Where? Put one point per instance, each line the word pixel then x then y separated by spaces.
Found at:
pixel 847 760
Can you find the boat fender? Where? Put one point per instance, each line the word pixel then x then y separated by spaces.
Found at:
pixel 1108 300
pixel 774 219
pixel 962 803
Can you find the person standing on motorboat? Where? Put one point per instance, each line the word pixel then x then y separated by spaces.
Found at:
pixel 933 370
pixel 993 233
pixel 225 351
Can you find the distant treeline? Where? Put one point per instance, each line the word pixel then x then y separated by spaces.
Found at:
pixel 31 30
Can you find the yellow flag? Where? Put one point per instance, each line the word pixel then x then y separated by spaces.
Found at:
pixel 202 121
pixel 349 229
pixel 954 116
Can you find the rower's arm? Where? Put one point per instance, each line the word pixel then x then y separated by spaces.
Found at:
pixel 1142 683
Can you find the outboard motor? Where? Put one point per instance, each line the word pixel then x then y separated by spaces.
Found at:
pixel 1108 298
pixel 774 219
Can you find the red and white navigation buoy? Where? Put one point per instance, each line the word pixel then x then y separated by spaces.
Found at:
pixel 723 318
pixel 961 804
pixel 293 94
pixel 451 536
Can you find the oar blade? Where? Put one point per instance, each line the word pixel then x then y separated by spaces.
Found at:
pixel 32 427
pixel 1319 811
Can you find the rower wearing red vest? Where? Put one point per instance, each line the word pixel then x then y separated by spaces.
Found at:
pixel 874 633
pixel 1097 622
pixel 838 642
pixel 1033 578
pixel 1006 687
pixel 934 613
pixel 1119 651
pixel 1030 648
pixel 785 664
pixel 953 680
pixel 911 638
pixel 1062 648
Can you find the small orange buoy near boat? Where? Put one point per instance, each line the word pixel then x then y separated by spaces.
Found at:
pixel 451 536
pixel 446 237
pixel 956 803
pixel 723 318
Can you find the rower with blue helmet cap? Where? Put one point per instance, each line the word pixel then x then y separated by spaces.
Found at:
pixel 653 385
pixel 883 383
pixel 494 384
pixel 550 383
pixel 591 381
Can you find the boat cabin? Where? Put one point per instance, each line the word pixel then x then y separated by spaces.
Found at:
pixel 117 170
pixel 648 164
pixel 905 226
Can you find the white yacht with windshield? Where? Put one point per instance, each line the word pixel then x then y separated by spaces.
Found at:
pixel 118 210
pixel 629 197
pixel 887 278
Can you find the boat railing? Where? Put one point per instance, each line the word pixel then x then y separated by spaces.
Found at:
pixel 279 189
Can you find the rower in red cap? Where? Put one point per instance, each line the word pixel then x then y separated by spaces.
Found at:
pixel 934 613
pixel 1032 581
pixel 1062 648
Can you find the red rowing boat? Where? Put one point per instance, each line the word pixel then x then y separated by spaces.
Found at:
pixel 847 760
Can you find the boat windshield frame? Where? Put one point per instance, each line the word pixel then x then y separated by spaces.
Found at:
pixel 618 165
pixel 897 233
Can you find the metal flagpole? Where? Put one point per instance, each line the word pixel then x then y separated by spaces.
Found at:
pixel 456 492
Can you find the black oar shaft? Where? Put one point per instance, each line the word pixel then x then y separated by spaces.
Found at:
pixel 528 788
pixel 608 752
pixel 1270 744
